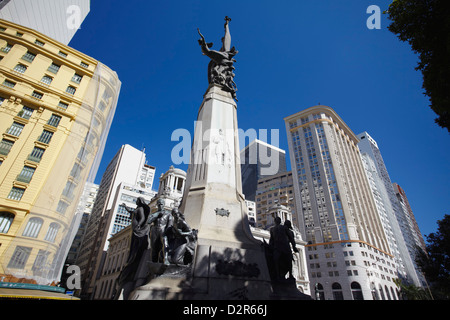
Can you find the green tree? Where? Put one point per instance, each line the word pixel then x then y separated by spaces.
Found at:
pixel 425 25
pixel 411 292
pixel 435 263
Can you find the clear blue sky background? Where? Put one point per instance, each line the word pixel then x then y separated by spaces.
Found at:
pixel 292 55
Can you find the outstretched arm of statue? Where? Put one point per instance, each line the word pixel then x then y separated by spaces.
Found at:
pixel 202 41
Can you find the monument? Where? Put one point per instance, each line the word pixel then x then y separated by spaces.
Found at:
pixel 224 261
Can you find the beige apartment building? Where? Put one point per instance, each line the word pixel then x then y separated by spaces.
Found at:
pixel 56 107
pixel 348 254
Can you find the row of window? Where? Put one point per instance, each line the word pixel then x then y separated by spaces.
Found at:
pixel 46 79
pixel 36 154
pixel 377 293
pixel 32 228
pixel 41 44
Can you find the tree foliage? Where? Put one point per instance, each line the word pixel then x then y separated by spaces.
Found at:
pixel 435 264
pixel 425 25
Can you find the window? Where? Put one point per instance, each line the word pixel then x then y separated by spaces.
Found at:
pixel 15 129
pixel 29 56
pixel 33 227
pixel 21 68
pixel 5 146
pixel 16 193
pixel 52 232
pixel 39 43
pixel 19 257
pixel 40 263
pixel 68 190
pixel 25 113
pixel 320 294
pixel 54 68
pixel 337 291
pixel 71 90
pixel 54 120
pixel 19 34
pixel 36 154
pixel 84 65
pixel 37 95
pixel 63 54
pixel 62 207
pixel 77 78
pixel 45 137
pixel 47 80
pixel 26 174
pixel 6 219
pixel 9 84
pixel 356 291
pixel 63 105
pixel 6 48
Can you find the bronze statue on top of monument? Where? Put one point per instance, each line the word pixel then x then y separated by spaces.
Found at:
pixel 220 68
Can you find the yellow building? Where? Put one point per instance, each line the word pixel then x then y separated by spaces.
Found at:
pixel 56 107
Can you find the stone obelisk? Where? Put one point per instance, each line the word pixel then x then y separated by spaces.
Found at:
pixel 229 261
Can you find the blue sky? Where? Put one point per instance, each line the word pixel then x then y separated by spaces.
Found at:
pixel 292 55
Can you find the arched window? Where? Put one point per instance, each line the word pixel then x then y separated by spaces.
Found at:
pixel 33 227
pixel 52 232
pixel 380 290
pixel 393 294
pixel 6 219
pixel 387 292
pixel 356 291
pixel 337 291
pixel 320 294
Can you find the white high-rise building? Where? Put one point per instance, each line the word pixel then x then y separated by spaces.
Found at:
pixel 395 222
pixel 347 250
pixel 57 19
pixel 124 180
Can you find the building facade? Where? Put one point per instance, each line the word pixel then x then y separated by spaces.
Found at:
pixel 57 19
pixel 259 159
pixel 273 190
pixel 86 202
pixel 347 250
pixel 410 229
pixel 395 222
pixel 122 182
pixel 56 108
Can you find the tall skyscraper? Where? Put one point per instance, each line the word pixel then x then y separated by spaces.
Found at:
pixel 259 159
pixel 56 108
pixel 349 256
pixel 394 220
pixel 123 181
pixel 87 202
pixel 410 228
pixel 57 19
